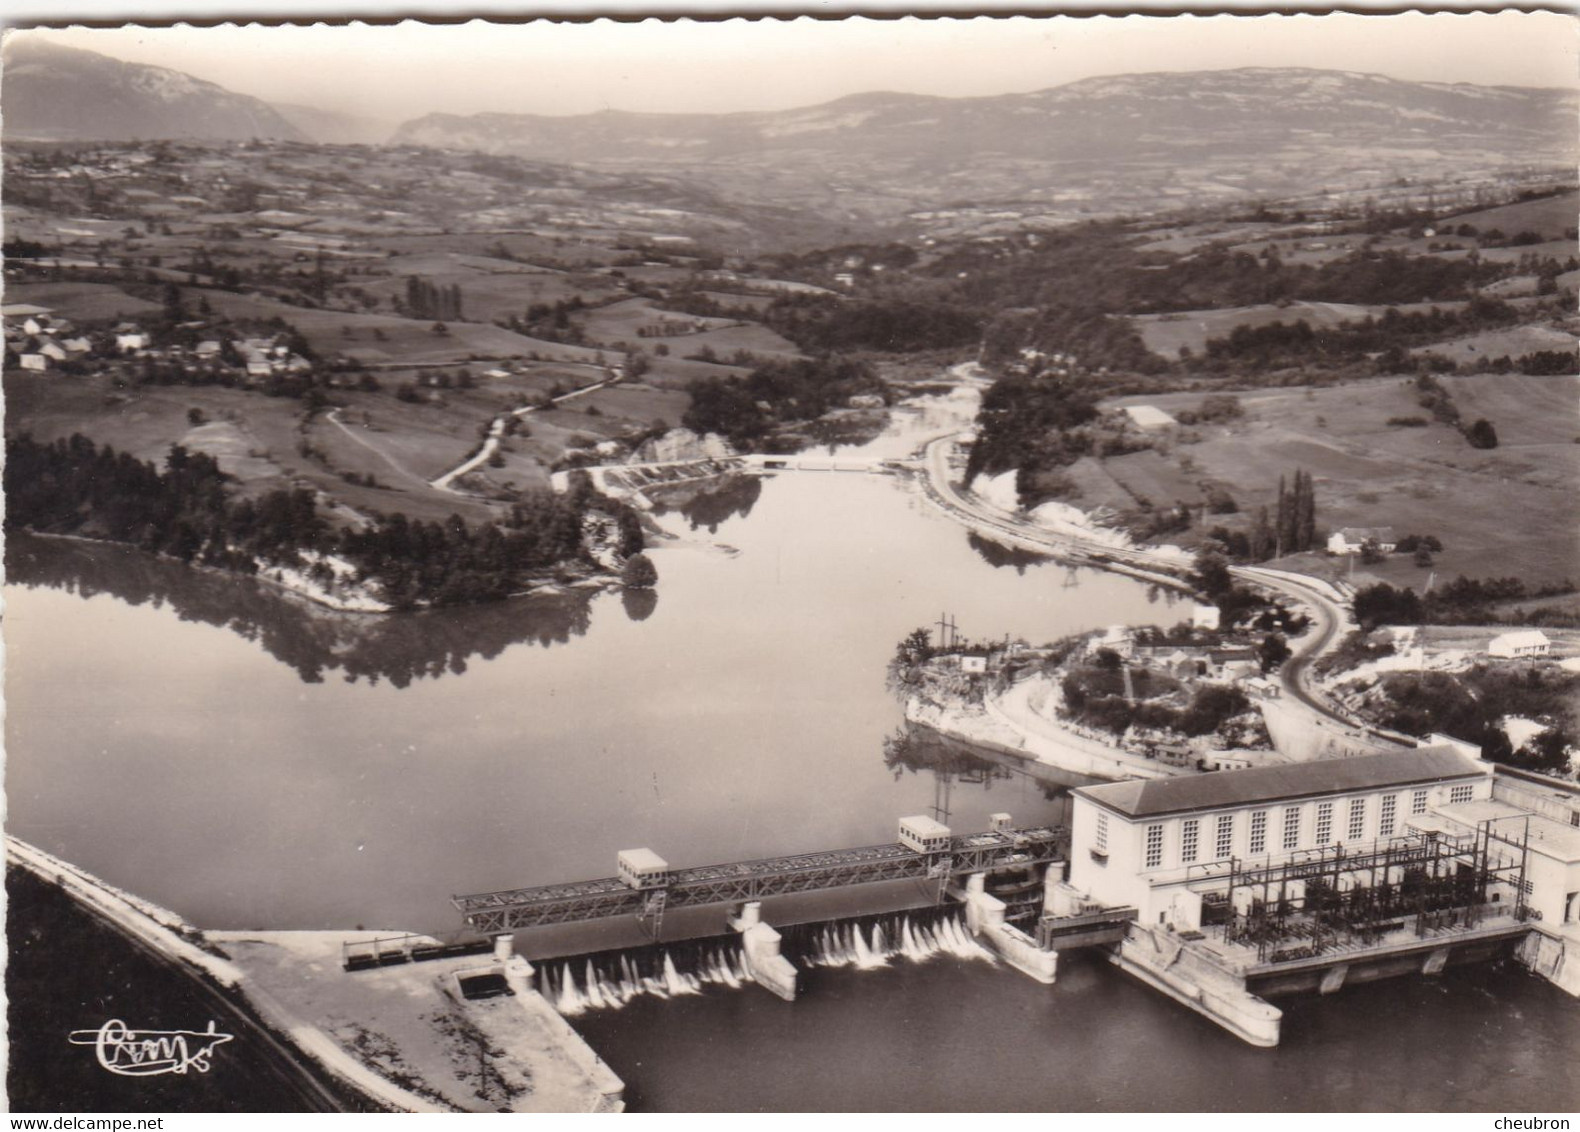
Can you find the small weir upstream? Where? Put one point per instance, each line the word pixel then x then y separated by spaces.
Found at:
pixel 609 979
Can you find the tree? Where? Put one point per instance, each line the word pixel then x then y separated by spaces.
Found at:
pixel 1482 434
pixel 915 648
pixel 1371 553
pixel 1272 652
pixel 1261 542
pixel 1212 573
pixel 639 573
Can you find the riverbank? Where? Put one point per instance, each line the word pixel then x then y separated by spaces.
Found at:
pixel 399 1038
pixel 1008 725
pixel 294 584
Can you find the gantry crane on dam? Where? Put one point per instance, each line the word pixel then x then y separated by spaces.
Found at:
pixel 646 886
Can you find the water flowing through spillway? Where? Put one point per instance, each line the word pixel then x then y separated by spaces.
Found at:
pixel 611 979
pixel 872 942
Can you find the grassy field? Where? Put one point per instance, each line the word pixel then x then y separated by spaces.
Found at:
pixel 80 302
pixel 1166 334
pixel 1549 217
pixel 637 402
pixel 258 439
pixel 410 341
pixel 1510 342
pixel 1510 510
pixel 620 323
pixel 675 373
pixel 488 294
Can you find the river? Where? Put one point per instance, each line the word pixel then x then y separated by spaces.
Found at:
pixel 248 762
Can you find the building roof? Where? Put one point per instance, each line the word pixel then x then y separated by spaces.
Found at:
pixel 1361 534
pixel 23 310
pixel 1153 797
pixel 1522 638
pixel 923 826
pixel 642 860
pixel 1548 837
pixel 1149 416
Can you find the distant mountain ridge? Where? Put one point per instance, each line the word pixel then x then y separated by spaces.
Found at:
pixel 1108 114
pixel 1126 140
pixel 1099 146
pixel 50 91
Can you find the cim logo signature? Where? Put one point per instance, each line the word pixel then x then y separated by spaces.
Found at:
pixel 150 1053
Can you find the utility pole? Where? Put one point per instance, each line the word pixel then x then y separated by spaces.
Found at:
pixel 948 632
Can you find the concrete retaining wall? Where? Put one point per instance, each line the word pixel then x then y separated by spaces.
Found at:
pixel 1554 957
pixel 1165 964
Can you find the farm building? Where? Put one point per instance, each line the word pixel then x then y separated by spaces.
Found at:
pixel 1149 418
pixel 1522 642
pixel 1349 540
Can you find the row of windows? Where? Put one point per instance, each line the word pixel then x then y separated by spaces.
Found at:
pixel 1223 829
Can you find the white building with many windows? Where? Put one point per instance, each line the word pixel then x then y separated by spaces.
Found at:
pixel 1150 843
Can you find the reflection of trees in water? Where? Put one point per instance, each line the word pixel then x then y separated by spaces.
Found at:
pixel 399 647
pixel 997 555
pixel 715 503
pixel 639 604
pixel 917 747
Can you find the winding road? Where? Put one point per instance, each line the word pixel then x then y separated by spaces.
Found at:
pixel 496 432
pixel 1329 616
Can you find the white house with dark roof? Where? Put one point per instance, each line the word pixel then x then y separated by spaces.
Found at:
pixel 1350 540
pixel 1137 843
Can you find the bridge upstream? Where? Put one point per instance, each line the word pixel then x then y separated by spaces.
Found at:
pixel 647 886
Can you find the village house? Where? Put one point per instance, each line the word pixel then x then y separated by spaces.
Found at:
pixel 35 362
pixel 1520 643
pixel 1233 663
pixel 1350 540
pixel 1120 638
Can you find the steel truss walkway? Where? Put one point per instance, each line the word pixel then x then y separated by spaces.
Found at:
pixel 495 912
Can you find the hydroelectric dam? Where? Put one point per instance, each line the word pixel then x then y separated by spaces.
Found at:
pixel 959 865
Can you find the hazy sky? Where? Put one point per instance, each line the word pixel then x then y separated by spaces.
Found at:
pixel 402 71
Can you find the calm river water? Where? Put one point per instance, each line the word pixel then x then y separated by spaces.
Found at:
pixel 204 743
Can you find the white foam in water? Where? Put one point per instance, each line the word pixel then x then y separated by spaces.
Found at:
pixel 834 945
pixel 722 965
pixel 850 945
